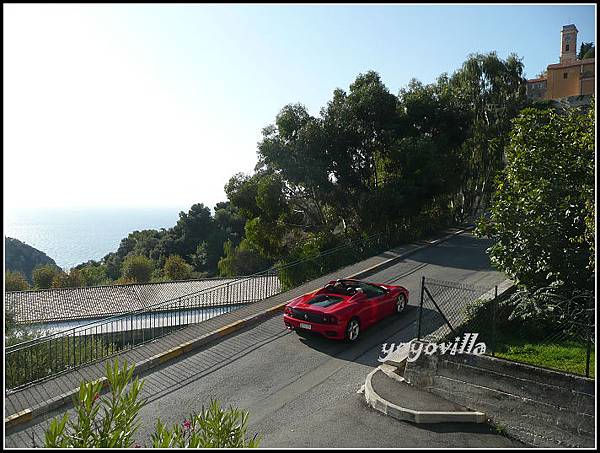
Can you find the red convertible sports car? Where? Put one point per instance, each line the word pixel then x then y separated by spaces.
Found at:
pixel 343 308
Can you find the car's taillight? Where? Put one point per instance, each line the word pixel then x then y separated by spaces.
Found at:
pixel 328 319
pixel 288 311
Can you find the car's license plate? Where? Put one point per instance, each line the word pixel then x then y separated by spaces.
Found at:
pixel 305 326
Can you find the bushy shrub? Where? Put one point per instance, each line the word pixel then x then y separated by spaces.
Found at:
pixel 116 426
pixel 137 268
pixel 15 281
pixel 43 276
pixel 543 198
pixel 213 427
pixel 74 279
pixel 52 356
pixel 176 268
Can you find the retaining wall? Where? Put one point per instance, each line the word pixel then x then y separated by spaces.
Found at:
pixel 540 407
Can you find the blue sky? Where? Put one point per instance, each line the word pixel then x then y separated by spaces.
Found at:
pixel 158 105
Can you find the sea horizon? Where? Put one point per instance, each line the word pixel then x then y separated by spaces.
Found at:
pixel 73 235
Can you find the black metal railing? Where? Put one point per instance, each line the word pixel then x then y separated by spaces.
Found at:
pixel 40 358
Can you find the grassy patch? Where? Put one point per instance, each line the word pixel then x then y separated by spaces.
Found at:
pixel 569 356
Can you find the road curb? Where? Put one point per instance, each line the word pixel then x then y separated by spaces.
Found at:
pixel 402 413
pixel 29 414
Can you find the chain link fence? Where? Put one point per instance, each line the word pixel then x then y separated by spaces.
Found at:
pixel 543 329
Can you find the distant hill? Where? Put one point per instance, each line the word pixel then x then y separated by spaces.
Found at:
pixel 20 257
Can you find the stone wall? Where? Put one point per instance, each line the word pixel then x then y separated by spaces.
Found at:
pixel 540 407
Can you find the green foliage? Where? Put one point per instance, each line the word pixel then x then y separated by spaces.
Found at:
pixel 112 263
pixel 538 216
pixel 114 428
pixel 307 260
pixel 94 275
pixel 74 279
pixel 137 268
pixel 44 275
pixel 176 268
pixel 492 91
pixel 567 356
pixel 370 162
pixel 49 357
pixel 213 427
pixel 112 421
pixel 586 50
pixel 20 257
pixel 15 281
pixel 241 260
pixel 15 332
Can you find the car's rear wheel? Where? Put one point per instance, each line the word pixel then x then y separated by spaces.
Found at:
pixel 401 303
pixel 353 330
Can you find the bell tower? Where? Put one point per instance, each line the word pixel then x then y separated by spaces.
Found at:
pixel 568 43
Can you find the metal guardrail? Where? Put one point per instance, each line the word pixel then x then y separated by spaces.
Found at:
pixel 40 358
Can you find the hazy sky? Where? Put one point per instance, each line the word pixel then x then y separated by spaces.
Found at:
pixel 159 105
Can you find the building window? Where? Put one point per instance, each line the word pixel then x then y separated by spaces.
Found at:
pixel 565 75
pixel 567 48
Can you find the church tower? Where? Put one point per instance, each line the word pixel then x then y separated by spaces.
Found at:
pixel 568 43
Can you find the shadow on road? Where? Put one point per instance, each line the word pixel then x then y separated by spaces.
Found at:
pixel 394 329
pixel 463 252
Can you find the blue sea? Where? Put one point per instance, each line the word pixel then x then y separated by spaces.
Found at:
pixel 73 236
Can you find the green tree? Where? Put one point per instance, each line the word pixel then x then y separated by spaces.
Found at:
pixel 230 222
pixel 15 281
pixel 241 260
pixel 112 262
pixel 43 276
pixel 141 243
pixel 492 91
pixel 586 50
pixel 137 268
pixel 539 212
pixel 360 130
pixel 73 279
pixel 176 268
pixel 425 165
pixel 94 274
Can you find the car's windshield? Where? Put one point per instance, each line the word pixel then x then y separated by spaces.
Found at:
pixel 369 289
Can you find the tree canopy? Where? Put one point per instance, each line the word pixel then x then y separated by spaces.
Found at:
pixel 586 50
pixel 542 214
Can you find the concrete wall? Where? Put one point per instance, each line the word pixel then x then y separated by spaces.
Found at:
pixel 540 407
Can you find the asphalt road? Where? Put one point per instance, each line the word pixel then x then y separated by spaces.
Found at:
pixel 302 392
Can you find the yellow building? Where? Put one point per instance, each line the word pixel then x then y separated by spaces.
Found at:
pixel 569 77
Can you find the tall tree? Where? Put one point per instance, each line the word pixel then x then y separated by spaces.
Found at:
pixel 541 216
pixel 492 90
pixel 359 127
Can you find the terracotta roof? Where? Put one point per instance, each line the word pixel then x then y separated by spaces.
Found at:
pixel 540 79
pixel 101 301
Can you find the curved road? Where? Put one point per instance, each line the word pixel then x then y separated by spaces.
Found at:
pixel 302 392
